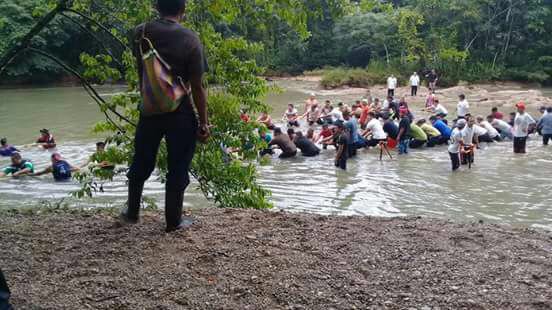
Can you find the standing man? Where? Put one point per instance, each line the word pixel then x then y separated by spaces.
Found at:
pixel 545 126
pixel 404 131
pixel 391 85
pixel 463 107
pixel 456 143
pixel 4 293
pixel 432 79
pixel 522 121
pixel 342 143
pixel 414 83
pixel 183 51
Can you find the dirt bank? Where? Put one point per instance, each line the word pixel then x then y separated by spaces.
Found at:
pixel 262 260
pixel 482 97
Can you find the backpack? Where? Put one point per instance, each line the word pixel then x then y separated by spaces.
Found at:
pixel 161 90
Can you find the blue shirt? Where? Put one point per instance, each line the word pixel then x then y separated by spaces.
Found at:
pixel 7 151
pixel 545 124
pixel 443 128
pixel 352 125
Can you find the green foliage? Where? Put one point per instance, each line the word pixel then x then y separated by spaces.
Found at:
pixel 227 181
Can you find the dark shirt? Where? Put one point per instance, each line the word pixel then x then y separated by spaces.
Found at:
pixel 179 47
pixel 284 143
pixel 391 129
pixel 432 77
pixel 343 140
pixel 405 124
pixel 306 146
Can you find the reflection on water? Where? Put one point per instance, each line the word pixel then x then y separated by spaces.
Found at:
pixel 500 188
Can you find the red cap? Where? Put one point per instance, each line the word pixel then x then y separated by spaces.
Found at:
pixel 520 105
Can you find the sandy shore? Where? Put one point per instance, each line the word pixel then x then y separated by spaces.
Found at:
pixel 235 259
pixel 482 97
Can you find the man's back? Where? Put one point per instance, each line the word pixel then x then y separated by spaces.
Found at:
pixel 178 46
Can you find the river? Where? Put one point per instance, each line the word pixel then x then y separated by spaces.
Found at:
pixel 501 187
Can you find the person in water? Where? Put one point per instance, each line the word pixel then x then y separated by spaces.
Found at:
pixel 545 126
pixel 342 141
pixel 46 140
pixel 283 141
pixel 374 132
pixel 19 167
pixel 291 116
pixel 496 114
pixel 325 137
pixel 522 123
pixel 404 131
pixel 456 142
pixel 434 136
pixel 60 169
pixel 181 48
pixel 266 120
pixel 445 130
pixel 7 150
pixel 307 147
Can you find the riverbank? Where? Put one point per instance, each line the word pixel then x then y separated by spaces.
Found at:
pixel 236 259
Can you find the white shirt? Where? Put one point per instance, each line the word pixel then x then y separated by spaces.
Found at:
pixel 490 129
pixel 463 108
pixel 455 138
pixel 467 135
pixel 336 114
pixel 291 113
pixel 501 125
pixel 376 128
pixel 440 109
pixel 521 124
pixel 479 131
pixel 414 80
pixel 391 83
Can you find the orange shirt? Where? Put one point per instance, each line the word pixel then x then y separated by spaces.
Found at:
pixel 364 115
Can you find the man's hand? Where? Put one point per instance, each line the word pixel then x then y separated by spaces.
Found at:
pixel 203 133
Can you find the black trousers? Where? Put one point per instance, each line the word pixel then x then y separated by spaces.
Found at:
pixel 433 141
pixel 341 163
pixel 4 293
pixel 180 132
pixel 546 138
pixel 390 93
pixel 285 155
pixel 414 91
pixel 486 138
pixel 455 160
pixel 415 144
pixel 520 144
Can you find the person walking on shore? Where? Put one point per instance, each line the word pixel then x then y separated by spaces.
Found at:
pixel 414 83
pixel 522 121
pixel 432 79
pixel 183 51
pixel 391 85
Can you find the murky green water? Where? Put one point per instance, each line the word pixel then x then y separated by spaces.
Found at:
pixel 500 188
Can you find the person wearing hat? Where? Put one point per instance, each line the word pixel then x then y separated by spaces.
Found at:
pixel 6 150
pixel 456 142
pixel 60 169
pixel 46 140
pixel 522 122
pixel 414 83
pixel 404 131
pixel 342 141
pixel 19 167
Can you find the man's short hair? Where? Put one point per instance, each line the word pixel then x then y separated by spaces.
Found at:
pixel 462 96
pixel 171 7
pixel 549 109
pixel 277 130
pixel 100 144
pixel 433 118
pixel 3 141
pixel 494 109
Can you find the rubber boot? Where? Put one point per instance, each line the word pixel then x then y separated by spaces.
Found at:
pixel 174 203
pixel 132 212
